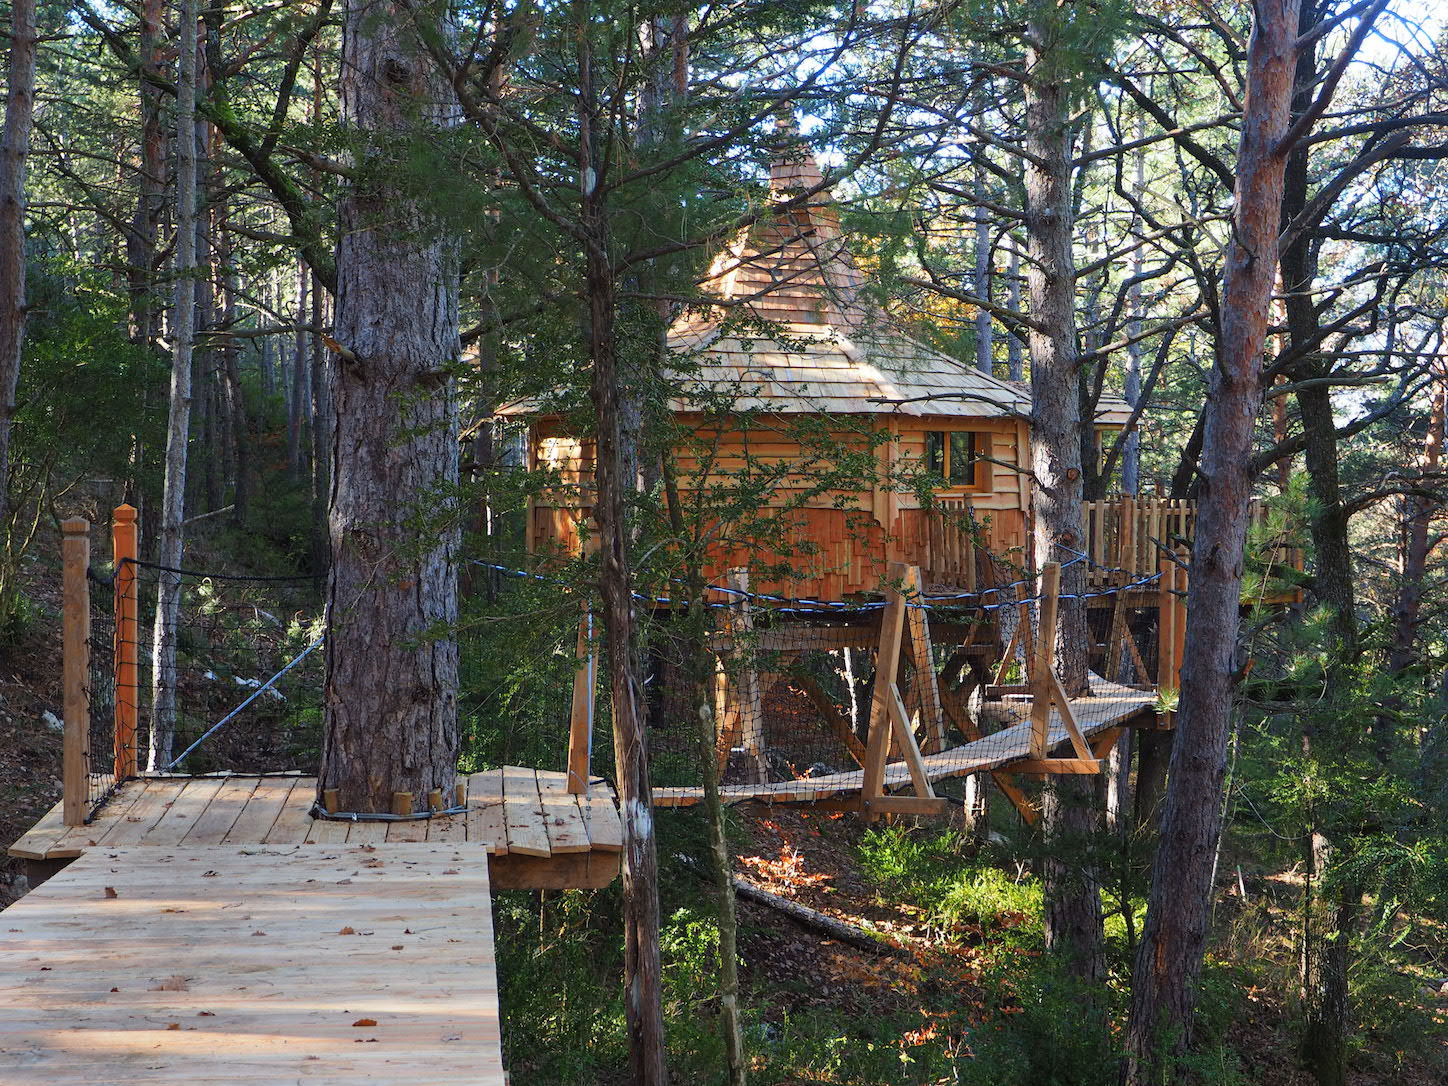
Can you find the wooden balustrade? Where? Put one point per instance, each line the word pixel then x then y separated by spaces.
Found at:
pixel 950 545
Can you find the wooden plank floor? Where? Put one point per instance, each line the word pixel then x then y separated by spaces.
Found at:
pixel 527 813
pixel 317 964
pixel 1109 706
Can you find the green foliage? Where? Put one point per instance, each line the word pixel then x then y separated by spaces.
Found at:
pixel 935 871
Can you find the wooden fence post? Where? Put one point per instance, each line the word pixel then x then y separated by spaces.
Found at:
pixel 580 728
pixel 1042 693
pixel 125 549
pixel 75 665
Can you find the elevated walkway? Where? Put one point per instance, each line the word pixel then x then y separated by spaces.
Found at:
pixel 537 836
pixel 264 964
pixel 1108 707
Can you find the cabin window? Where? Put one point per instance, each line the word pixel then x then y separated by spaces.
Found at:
pixel 953 455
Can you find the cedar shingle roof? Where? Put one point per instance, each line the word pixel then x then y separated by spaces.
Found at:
pixel 827 347
pixel 834 350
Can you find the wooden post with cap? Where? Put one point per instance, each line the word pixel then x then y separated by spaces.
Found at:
pixel 75 666
pixel 125 549
pixel 580 728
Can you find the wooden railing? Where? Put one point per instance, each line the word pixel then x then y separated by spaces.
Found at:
pixel 1128 539
pixel 950 547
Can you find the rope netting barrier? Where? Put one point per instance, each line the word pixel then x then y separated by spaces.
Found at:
pixel 230 680
pixel 100 692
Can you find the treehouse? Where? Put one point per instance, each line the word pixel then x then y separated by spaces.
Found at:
pixel 870 446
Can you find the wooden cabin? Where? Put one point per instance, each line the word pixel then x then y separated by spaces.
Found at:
pixel 806 364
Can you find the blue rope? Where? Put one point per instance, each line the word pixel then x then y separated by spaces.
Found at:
pixel 254 695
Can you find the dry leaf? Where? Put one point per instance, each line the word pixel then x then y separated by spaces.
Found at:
pixel 110 891
pixel 365 1022
pixel 347 931
pixel 173 1025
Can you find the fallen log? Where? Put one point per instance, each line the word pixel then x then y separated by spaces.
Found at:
pixel 811 918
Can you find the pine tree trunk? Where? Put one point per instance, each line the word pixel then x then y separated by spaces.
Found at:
pixel 392 658
pixel 1051 284
pixel 1015 365
pixel 145 306
pixel 1169 959
pixel 171 535
pixel 615 475
pixel 297 398
pixel 1070 812
pixel 14 153
pixel 1414 546
pixel 321 430
pixel 984 340
pixel 1131 447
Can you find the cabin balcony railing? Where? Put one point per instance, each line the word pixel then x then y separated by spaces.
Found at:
pixel 950 550
pixel 1127 539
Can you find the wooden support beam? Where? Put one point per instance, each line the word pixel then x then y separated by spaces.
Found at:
pixel 1009 656
pixel 834 720
pixel 927 683
pixel 726 713
pixel 580 725
pixel 1057 765
pixel 905 736
pixel 125 551
pixel 747 684
pixel 887 666
pixel 1103 743
pixel 1012 791
pixel 75 667
pixel 1068 718
pixel 1045 660
pixel 908 805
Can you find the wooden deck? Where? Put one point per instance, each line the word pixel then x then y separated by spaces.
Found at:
pixel 537 834
pixel 1109 706
pixel 318 964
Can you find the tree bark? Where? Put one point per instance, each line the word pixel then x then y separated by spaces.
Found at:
pixel 615 475
pixel 984 339
pixel 1414 544
pixel 1131 447
pixel 171 536
pixel 1051 286
pixel 1070 809
pixel 1169 959
pixel 300 385
pixel 14 154
pixel 392 658
pixel 145 224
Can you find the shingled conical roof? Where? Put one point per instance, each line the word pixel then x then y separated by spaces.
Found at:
pixel 834 351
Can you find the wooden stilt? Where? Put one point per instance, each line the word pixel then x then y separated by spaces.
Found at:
pixel 746 682
pixel 580 727
pixel 1045 659
pixel 927 682
pixel 75 668
pixel 887 666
